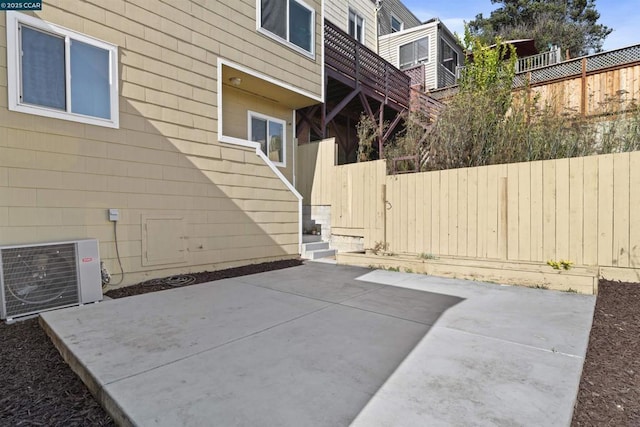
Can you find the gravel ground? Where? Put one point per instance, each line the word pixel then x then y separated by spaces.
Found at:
pixel 39 389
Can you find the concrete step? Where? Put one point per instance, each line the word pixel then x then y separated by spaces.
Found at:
pixel 311 238
pixel 317 249
pixel 315 246
pixel 322 253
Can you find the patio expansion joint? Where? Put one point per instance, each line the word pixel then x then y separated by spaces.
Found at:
pixel 532 347
pixel 293 319
pixel 342 302
pixel 328 304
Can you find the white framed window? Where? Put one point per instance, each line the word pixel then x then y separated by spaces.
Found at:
pixel 292 21
pixel 356 26
pixel 448 56
pixel 59 73
pixel 396 24
pixel 270 133
pixel 414 53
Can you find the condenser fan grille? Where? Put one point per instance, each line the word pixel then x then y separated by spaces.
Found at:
pixel 39 278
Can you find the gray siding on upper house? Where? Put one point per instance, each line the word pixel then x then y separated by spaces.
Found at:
pixel 400 11
pixel 446 78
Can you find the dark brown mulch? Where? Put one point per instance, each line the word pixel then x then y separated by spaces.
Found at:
pixel 202 277
pixel 609 392
pixel 37 388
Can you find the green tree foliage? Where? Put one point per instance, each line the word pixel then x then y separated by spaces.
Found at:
pixel 569 24
pixel 489 69
pixel 487 123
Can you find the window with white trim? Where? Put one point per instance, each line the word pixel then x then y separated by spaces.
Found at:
pixel 56 72
pixel 448 55
pixel 289 20
pixel 396 24
pixel 356 25
pixel 414 53
pixel 269 132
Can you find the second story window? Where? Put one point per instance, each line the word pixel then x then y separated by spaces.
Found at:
pixel 289 20
pixel 58 73
pixel 396 24
pixel 414 53
pixel 449 57
pixel 356 26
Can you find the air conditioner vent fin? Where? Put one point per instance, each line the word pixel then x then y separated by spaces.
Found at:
pixel 41 277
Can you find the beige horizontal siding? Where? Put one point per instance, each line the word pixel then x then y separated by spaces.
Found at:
pixel 58 178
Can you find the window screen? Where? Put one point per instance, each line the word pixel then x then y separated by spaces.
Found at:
pixel 43 69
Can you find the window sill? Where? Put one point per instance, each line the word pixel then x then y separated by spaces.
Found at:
pixel 311 55
pixel 63 115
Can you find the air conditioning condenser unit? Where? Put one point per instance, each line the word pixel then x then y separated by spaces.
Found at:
pixel 39 277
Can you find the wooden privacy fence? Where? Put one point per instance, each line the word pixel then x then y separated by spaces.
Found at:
pixel 586 210
pixel 590 94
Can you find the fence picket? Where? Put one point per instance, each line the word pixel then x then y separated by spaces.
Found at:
pixel 586 210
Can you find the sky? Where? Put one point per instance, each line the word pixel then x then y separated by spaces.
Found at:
pixel 621 15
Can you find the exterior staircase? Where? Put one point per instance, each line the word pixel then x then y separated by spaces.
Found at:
pixel 313 245
pixel 314 248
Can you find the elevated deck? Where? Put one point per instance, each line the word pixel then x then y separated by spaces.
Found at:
pixel 356 66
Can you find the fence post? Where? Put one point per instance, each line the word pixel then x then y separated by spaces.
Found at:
pixel 503 219
pixel 583 95
pixel 383 193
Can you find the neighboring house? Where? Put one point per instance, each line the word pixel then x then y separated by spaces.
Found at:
pixel 356 18
pixel 393 17
pixel 429 53
pixel 181 115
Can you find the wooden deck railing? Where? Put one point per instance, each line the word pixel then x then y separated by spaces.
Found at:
pixel 356 62
pixel 416 74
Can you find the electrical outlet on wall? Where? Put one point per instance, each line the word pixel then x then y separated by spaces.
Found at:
pixel 114 215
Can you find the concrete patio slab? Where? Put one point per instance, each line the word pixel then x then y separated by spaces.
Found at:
pixel 326 344
pixel 265 349
pixel 504 356
pixel 404 303
pixel 325 286
pixel 320 369
pixel 455 378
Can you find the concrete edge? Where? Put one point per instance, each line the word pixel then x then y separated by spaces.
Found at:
pixel 93 384
pixel 578 279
